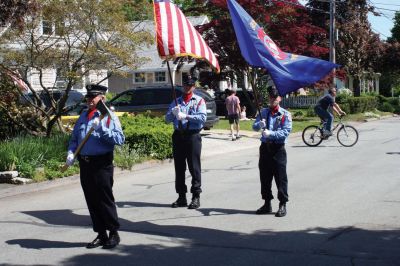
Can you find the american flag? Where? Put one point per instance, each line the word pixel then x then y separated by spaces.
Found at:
pixel 18 81
pixel 176 36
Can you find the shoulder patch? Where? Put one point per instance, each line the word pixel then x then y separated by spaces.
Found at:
pixel 289 116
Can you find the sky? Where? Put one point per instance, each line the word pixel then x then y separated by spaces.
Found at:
pixel 384 23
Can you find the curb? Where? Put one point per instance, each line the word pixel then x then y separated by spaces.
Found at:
pixel 380 118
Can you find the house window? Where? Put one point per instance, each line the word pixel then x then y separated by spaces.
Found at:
pixel 61 80
pixel 159 77
pixel 47 27
pixel 140 77
pixel 50 27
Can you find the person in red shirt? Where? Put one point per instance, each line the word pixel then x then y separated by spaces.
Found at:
pixel 232 104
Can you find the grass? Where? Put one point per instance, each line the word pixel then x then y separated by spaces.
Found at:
pixel 298 125
pixel 300 122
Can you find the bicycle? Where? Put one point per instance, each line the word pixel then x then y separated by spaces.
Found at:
pixel 346 135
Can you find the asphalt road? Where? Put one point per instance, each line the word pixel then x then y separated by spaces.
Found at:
pixel 344 210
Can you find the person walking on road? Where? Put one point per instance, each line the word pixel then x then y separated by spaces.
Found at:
pixel 322 110
pixel 188 118
pixel 276 125
pixel 96 166
pixel 232 104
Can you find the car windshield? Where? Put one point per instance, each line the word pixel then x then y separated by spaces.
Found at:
pixel 74 98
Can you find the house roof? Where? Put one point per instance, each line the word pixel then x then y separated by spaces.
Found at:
pixel 155 63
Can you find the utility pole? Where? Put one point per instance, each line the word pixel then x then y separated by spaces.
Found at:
pixel 332 35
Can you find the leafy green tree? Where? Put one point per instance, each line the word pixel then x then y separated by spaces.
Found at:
pixel 138 10
pixel 396 28
pixel 358 49
pixel 81 36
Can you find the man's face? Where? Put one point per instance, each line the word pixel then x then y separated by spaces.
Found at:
pixel 93 100
pixel 187 89
pixel 273 102
pixel 334 92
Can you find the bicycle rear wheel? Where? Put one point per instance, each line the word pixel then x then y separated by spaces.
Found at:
pixel 312 136
pixel 347 136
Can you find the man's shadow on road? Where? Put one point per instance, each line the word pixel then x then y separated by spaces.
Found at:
pixel 194 245
pixel 204 211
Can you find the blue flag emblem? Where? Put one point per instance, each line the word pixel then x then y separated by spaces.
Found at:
pixel 288 71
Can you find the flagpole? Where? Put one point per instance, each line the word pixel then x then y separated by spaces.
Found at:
pixel 172 84
pixel 253 84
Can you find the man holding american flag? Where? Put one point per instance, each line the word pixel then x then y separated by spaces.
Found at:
pixel 175 37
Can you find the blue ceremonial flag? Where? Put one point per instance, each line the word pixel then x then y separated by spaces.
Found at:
pixel 288 71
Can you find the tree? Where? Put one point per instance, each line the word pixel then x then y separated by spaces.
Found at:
pixel 80 37
pixel 13 12
pixel 138 10
pixel 358 48
pixel 396 28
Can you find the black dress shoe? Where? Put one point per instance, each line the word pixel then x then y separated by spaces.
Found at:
pixel 282 210
pixel 265 209
pixel 112 241
pixel 195 203
pixel 100 240
pixel 180 202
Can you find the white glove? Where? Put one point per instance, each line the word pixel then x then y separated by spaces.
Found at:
pixel 96 123
pixel 181 116
pixel 70 158
pixel 262 123
pixel 176 110
pixel 266 133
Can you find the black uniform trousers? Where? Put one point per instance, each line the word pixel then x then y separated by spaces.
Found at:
pixel 272 164
pixel 96 173
pixel 186 147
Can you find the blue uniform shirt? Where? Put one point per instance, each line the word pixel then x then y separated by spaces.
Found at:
pixel 280 125
pixel 195 110
pixel 102 140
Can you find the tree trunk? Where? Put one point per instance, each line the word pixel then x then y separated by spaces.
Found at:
pixel 356 87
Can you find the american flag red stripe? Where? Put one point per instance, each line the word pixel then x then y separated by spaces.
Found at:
pixel 176 36
pixel 18 81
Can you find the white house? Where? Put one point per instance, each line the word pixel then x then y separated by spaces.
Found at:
pixel 155 70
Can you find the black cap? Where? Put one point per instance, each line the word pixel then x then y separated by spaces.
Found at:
pixel 272 92
pixel 95 89
pixel 190 82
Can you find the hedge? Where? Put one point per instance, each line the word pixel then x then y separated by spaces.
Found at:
pixel 40 158
pixel 151 136
pixel 355 105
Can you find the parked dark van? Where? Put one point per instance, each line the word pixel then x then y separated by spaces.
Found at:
pixel 73 106
pixel 157 100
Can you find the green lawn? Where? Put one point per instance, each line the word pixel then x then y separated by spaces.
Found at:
pixel 299 123
pixel 247 125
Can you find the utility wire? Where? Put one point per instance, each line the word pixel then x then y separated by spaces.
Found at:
pixel 386 4
pixel 381 13
pixel 376 31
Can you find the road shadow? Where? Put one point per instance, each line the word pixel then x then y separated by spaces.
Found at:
pixel 43 244
pixel 204 211
pixel 194 245
pixel 393 153
pixel 319 146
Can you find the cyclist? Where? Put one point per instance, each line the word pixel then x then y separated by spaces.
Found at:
pixel 322 110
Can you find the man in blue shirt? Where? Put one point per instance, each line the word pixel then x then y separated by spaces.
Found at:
pixel 322 107
pixel 188 118
pixel 96 166
pixel 276 124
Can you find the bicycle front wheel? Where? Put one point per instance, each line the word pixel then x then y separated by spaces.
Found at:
pixel 347 136
pixel 312 136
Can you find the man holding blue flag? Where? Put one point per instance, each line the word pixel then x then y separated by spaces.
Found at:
pixel 288 71
pixel 276 125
